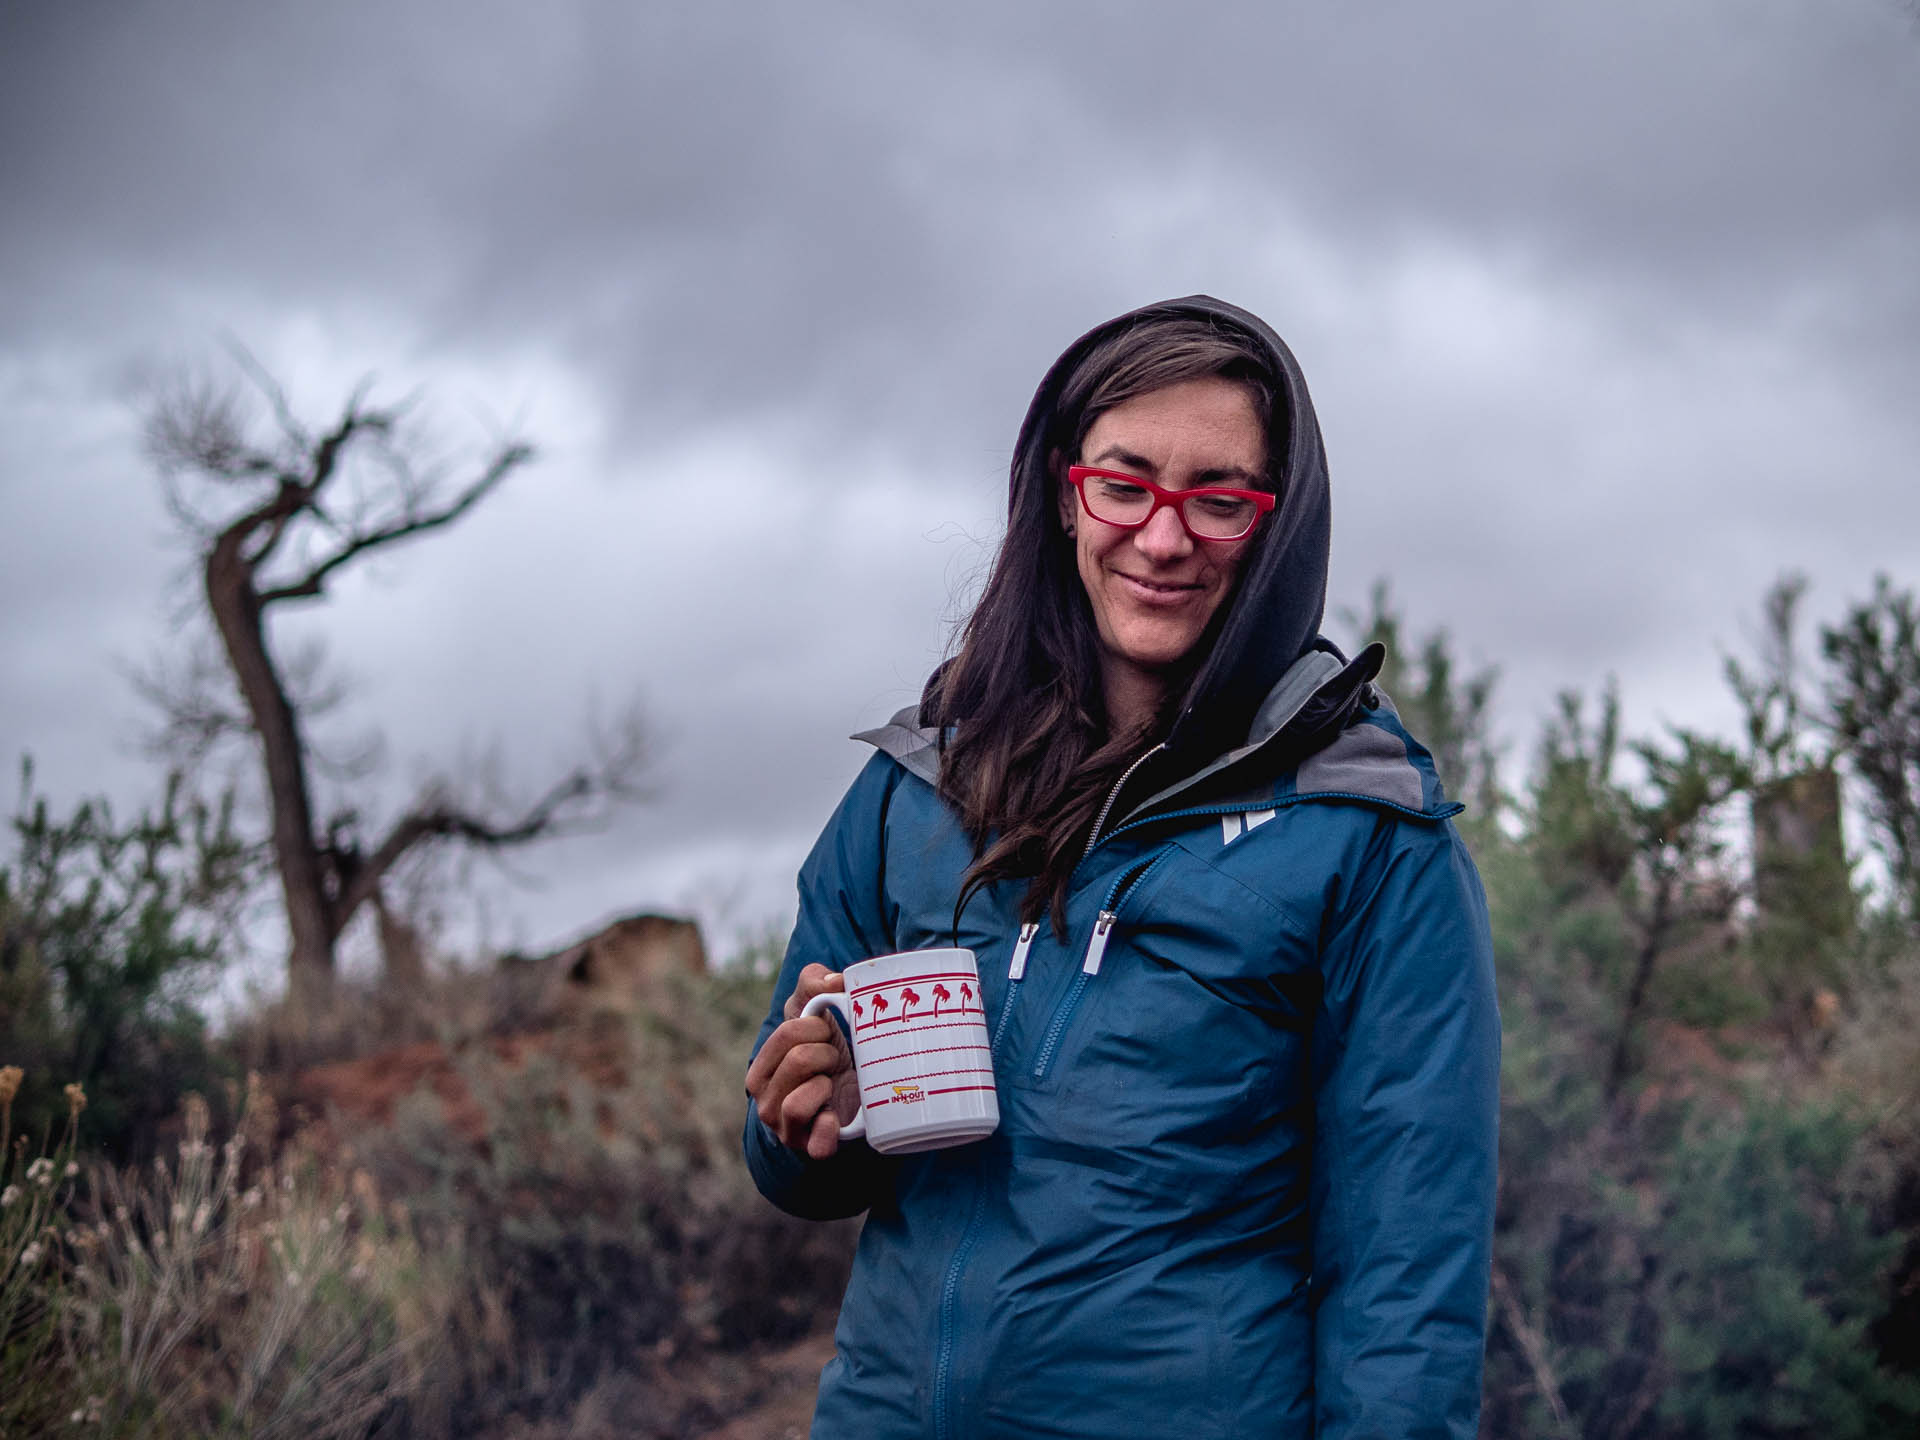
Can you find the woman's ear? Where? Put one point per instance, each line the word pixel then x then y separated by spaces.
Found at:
pixel 1068 503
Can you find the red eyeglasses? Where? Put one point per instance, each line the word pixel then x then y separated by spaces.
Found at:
pixel 1206 513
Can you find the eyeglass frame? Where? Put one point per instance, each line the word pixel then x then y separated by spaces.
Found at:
pixel 1263 500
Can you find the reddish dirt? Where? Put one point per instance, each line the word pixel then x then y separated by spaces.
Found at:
pixel 365 1091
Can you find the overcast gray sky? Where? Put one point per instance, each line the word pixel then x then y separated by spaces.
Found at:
pixel 1612 313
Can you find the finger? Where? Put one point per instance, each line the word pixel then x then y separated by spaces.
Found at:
pixel 814 1030
pixel 802 1066
pixel 813 980
pixel 767 1060
pixel 800 1109
pixel 824 1138
pixel 805 987
pixel 803 1062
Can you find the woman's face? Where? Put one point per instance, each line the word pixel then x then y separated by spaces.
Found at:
pixel 1154 589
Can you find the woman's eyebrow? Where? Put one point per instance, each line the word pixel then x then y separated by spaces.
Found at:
pixel 1125 457
pixel 1250 479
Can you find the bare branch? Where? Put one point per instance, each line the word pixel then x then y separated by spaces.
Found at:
pixel 275 516
pixel 1533 1345
pixel 191 521
pixel 580 802
pixel 198 708
pixel 314 581
pixel 283 415
pixel 436 819
pixel 353 421
pixel 201 428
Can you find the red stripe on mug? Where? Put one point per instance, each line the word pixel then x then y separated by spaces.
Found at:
pixel 979 1024
pixel 928 1075
pixel 930 1050
pixel 911 980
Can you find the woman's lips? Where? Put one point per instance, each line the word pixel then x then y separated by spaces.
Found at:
pixel 1162 593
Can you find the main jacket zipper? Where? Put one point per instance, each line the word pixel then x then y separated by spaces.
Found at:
pixel 1113 795
pixel 949 1319
pixel 969 1235
pixel 1017 967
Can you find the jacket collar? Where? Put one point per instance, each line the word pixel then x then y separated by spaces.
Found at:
pixel 1324 731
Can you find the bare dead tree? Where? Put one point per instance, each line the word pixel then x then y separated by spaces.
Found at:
pixel 273 522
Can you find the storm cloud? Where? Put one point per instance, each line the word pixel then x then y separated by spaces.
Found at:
pixel 1611 313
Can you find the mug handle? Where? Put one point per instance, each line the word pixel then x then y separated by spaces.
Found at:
pixel 837 999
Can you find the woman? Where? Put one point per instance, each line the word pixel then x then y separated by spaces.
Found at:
pixel 1234 956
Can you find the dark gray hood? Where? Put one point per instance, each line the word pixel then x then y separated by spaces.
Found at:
pixel 1276 611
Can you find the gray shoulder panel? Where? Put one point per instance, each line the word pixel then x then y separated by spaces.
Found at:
pixel 1364 760
pixel 908 743
pixel 1290 693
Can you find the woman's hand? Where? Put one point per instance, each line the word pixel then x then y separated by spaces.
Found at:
pixel 802 1081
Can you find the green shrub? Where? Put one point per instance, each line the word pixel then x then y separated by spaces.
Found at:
pixel 1769 1280
pixel 108 935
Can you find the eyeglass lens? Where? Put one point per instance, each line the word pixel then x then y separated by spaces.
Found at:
pixel 1217 517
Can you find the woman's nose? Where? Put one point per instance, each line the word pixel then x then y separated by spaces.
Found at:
pixel 1163 537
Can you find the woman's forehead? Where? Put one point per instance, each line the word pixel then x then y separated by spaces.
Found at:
pixel 1209 424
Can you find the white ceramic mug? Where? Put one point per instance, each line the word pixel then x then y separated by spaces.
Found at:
pixel 921 1055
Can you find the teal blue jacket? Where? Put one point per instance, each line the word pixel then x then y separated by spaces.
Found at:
pixel 1243 1183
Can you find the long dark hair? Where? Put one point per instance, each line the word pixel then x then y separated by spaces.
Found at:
pixel 1027 752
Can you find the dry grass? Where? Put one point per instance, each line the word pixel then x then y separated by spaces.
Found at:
pixel 33 1193
pixel 236 1291
pixel 553 1236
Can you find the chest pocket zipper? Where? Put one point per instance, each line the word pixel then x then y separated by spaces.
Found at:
pixel 1096 952
pixel 1016 972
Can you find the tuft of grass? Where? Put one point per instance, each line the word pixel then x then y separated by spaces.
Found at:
pixel 33 1195
pixel 227 1290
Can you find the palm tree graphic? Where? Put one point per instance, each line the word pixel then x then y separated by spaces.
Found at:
pixel 940 993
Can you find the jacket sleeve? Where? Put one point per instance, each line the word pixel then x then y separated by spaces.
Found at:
pixel 1406 1102
pixel 844 917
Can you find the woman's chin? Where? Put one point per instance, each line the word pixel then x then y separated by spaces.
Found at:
pixel 1155 648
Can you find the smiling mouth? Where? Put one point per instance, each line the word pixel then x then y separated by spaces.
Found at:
pixel 1161 590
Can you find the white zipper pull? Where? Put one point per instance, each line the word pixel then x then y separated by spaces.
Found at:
pixel 1097 947
pixel 1020 947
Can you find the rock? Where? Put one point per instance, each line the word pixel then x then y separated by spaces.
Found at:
pixel 627 967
